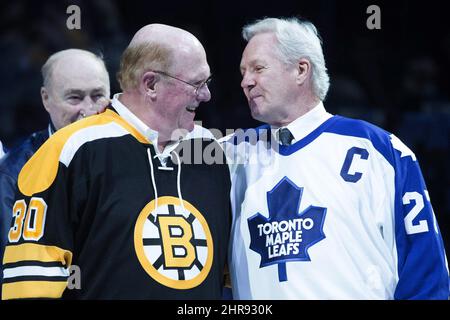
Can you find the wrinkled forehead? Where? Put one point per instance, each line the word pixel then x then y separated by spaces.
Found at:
pixel 79 75
pixel 260 47
pixel 191 61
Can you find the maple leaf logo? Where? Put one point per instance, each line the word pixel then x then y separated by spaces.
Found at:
pixel 287 234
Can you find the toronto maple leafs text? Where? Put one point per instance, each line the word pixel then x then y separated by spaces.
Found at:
pixel 284 237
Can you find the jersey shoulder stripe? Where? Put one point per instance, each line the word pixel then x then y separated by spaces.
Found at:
pixel 380 139
pixel 63 145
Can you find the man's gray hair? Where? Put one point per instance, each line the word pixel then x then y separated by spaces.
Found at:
pixel 297 39
pixel 47 68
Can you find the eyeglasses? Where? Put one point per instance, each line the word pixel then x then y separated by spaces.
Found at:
pixel 198 87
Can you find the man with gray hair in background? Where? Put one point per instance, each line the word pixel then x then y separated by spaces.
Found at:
pixel 75 85
pixel 341 210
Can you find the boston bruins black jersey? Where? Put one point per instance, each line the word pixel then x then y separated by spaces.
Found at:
pixel 96 203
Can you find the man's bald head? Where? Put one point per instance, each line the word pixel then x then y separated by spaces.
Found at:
pixel 73 61
pixel 76 84
pixel 156 47
pixel 171 37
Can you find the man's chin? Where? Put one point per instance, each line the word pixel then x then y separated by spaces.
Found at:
pixel 257 115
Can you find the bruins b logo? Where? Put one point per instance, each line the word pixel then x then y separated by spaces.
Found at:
pixel 174 247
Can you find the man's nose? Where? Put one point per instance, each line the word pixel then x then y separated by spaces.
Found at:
pixel 248 81
pixel 90 106
pixel 204 94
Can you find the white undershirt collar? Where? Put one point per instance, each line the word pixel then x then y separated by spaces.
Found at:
pixel 305 124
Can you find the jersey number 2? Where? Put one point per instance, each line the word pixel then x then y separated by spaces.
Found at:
pixel 28 223
pixel 412 214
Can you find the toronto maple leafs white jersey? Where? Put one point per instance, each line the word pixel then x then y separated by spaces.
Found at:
pixel 342 213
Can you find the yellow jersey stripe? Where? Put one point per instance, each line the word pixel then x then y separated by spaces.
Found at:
pixel 36 252
pixel 33 289
pixel 132 130
pixel 47 157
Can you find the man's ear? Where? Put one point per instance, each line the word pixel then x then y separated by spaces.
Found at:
pixel 45 97
pixel 303 69
pixel 148 82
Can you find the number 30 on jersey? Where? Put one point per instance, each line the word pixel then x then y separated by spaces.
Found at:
pixel 28 222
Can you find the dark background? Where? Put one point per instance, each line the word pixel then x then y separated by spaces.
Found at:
pixel 396 77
